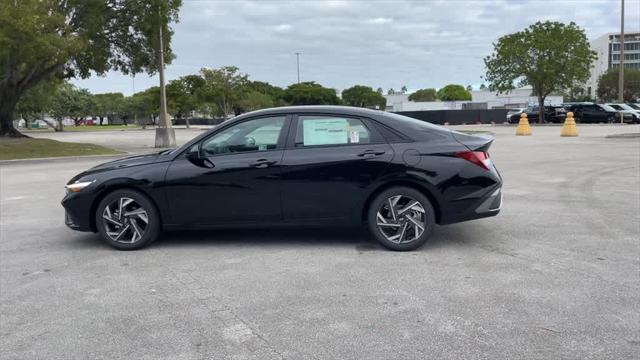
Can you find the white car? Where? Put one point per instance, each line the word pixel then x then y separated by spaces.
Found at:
pixel 512 112
pixel 626 109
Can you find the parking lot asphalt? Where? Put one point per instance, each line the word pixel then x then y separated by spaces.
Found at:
pixel 555 275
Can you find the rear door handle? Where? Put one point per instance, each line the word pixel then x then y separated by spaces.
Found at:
pixel 263 163
pixel 370 153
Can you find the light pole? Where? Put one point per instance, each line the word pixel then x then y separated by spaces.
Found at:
pixel 621 73
pixel 298 64
pixel 165 134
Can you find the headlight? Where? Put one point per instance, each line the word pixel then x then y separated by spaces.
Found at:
pixel 77 186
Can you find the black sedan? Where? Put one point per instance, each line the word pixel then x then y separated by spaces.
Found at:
pixel 552 114
pixel 309 165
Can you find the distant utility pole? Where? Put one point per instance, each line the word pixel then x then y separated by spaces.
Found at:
pixel 298 64
pixel 165 134
pixel 621 73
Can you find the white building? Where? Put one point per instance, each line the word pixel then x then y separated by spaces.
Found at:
pixel 517 98
pixel 400 102
pixel 607 48
pixel 480 99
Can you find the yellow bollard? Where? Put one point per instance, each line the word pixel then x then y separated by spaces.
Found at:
pixel 569 128
pixel 523 126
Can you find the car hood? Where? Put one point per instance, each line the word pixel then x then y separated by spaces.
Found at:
pixel 126 162
pixel 129 161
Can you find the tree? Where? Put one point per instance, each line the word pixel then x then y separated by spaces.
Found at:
pixel 577 93
pixel 424 95
pixel 68 102
pixel 403 89
pixel 224 87
pixel 363 96
pixel 608 85
pixel 274 92
pixel 391 91
pixel 182 97
pixel 310 93
pixel 469 88
pixel 255 100
pixel 43 39
pixel 109 105
pixel 36 101
pixel 549 56
pixel 453 92
pixel 380 91
pixel 144 105
pixel 483 87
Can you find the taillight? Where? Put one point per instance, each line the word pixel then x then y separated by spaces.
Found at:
pixel 479 158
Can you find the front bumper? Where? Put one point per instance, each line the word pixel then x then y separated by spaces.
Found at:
pixel 77 215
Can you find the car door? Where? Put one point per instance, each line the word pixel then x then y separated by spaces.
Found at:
pixel 589 114
pixel 235 179
pixel 328 163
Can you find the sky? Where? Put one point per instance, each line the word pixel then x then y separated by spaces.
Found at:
pixel 388 44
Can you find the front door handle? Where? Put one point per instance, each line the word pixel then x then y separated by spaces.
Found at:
pixel 263 163
pixel 370 153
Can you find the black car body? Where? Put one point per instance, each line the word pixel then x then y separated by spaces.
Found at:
pixel 553 114
pixel 595 113
pixel 281 172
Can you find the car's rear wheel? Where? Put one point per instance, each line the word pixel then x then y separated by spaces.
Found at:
pixel 401 218
pixel 127 220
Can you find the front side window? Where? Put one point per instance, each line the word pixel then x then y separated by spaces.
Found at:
pixel 331 130
pixel 253 135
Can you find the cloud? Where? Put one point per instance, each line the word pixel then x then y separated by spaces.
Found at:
pixel 376 43
pixel 380 20
pixel 282 27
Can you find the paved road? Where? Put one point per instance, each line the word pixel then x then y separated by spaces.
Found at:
pixel 555 275
pixel 132 141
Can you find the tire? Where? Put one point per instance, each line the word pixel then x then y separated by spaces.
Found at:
pixel 131 232
pixel 611 119
pixel 387 235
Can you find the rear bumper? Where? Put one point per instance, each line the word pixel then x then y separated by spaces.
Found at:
pixel 492 204
pixel 475 208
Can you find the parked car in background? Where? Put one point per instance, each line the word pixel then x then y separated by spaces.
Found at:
pixel 627 110
pixel 634 105
pixel 517 111
pixel 552 113
pixel 589 112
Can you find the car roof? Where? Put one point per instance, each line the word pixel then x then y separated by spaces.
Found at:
pixel 405 125
pixel 402 123
pixel 328 109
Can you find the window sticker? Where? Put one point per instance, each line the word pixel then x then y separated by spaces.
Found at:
pixel 354 136
pixel 325 131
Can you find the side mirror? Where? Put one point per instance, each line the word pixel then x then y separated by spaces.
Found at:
pixel 194 155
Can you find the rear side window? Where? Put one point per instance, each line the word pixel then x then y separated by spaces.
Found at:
pixel 331 130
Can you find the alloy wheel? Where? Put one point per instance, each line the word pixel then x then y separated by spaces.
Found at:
pixel 401 219
pixel 125 220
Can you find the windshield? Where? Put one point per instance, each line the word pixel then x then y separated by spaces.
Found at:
pixel 634 106
pixel 608 108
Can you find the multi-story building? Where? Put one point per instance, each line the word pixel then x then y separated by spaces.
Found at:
pixel 607 48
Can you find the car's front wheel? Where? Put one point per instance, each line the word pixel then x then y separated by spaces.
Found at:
pixel 401 218
pixel 127 220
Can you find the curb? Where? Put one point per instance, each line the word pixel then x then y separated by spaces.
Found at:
pixel 62 158
pixel 623 136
